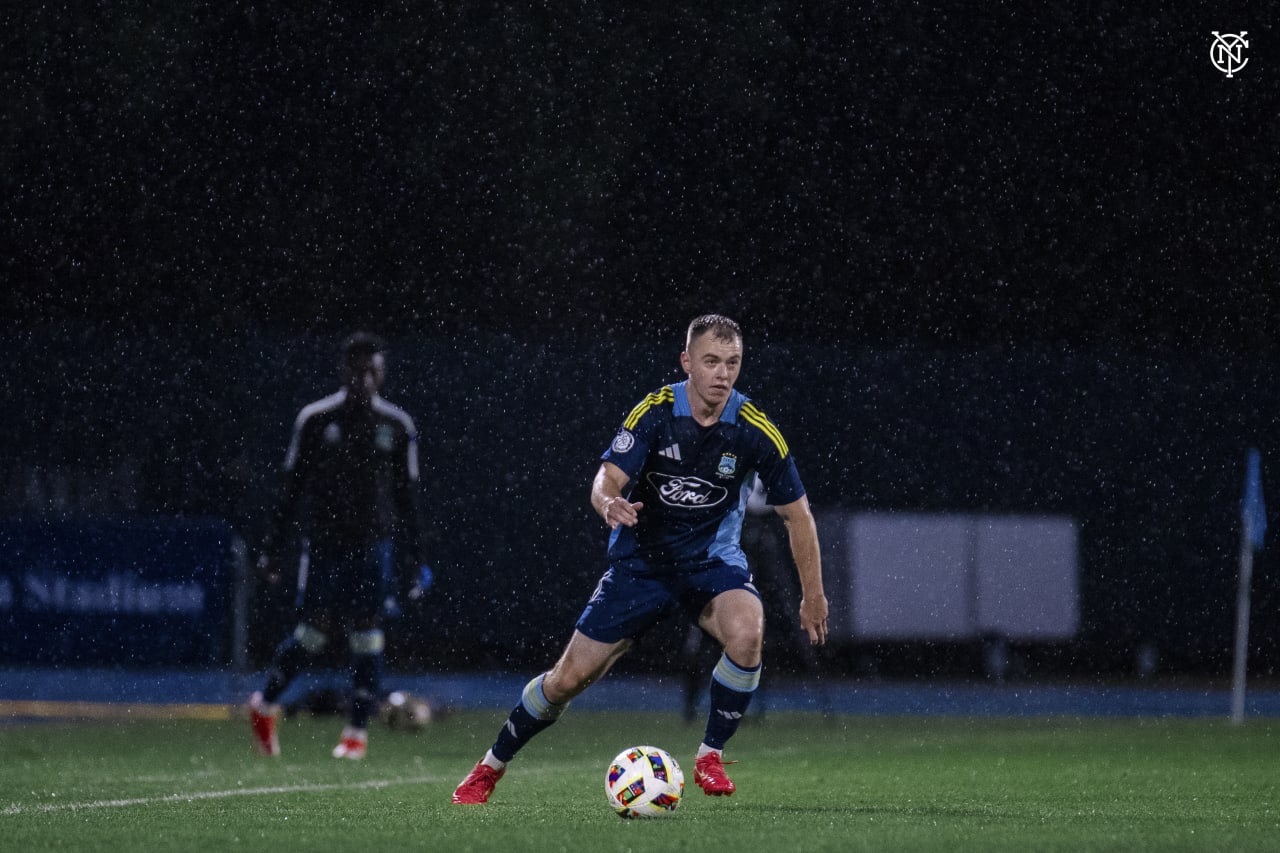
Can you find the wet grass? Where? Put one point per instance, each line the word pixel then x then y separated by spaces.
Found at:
pixel 806 783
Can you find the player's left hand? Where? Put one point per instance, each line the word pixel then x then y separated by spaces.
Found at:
pixel 813 619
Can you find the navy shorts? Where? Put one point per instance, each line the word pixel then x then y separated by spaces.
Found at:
pixel 625 605
pixel 344 583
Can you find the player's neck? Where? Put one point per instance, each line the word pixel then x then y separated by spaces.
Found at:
pixel 705 414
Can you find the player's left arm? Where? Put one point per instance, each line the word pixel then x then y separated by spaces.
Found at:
pixel 803 535
pixel 415 574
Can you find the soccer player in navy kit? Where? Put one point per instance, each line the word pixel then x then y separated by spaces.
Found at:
pixel 351 472
pixel 673 488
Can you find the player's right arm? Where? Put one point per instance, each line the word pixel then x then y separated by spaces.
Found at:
pixel 606 497
pixel 623 460
pixel 292 477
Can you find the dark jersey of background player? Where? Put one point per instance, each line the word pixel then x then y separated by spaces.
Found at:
pixel 350 486
pixel 351 474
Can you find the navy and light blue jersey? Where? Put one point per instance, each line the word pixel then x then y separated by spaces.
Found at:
pixel 694 480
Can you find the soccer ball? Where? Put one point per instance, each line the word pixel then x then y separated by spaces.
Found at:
pixel 644 781
pixel 406 712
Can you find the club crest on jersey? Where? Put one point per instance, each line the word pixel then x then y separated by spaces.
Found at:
pixel 686 492
pixel 728 465
pixel 623 442
pixel 384 439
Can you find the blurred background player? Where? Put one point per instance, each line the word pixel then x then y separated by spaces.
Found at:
pixel 351 488
pixel 686 459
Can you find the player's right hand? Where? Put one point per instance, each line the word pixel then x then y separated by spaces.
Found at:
pixel 619 510
pixel 265 570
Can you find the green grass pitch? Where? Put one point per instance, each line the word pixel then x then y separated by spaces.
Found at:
pixel 805 783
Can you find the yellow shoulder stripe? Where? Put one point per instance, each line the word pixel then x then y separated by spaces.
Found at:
pixel 665 395
pixel 757 418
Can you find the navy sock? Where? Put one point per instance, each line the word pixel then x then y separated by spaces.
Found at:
pixel 731 690
pixel 366 677
pixel 286 663
pixel 533 714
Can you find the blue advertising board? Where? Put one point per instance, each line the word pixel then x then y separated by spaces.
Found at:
pixel 128 592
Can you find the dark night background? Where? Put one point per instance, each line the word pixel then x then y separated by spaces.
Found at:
pixel 1019 257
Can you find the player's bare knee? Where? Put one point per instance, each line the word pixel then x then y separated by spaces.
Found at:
pixel 741 630
pixel 564 683
pixel 744 653
pixel 743 640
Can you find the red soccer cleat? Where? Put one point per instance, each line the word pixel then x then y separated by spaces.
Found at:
pixel 262 719
pixel 708 773
pixel 479 784
pixel 353 745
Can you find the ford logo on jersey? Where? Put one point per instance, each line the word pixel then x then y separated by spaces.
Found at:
pixel 686 491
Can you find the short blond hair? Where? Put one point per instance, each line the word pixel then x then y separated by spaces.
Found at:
pixel 718 325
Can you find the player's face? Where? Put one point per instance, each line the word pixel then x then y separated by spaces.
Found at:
pixel 365 375
pixel 712 364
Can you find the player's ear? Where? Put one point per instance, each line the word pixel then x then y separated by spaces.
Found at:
pixel 685 362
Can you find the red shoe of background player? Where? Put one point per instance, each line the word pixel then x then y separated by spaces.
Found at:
pixel 262 718
pixel 353 744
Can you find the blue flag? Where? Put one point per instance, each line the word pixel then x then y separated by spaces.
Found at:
pixel 1253 510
